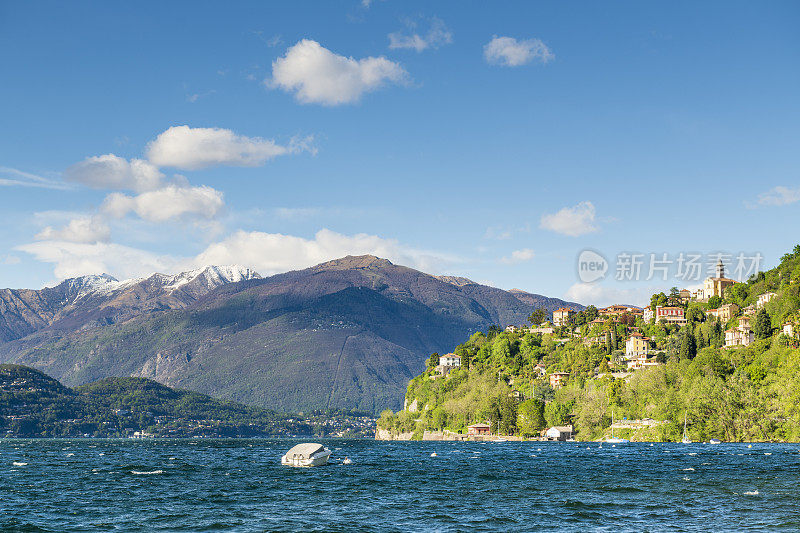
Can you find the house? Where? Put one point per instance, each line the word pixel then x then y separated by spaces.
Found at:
pixel 540 369
pixel 716 286
pixel 479 429
pixel 448 362
pixel 561 433
pixel 671 315
pixel 724 312
pixel 789 330
pixel 543 330
pixel 511 329
pixel 685 295
pixel 641 361
pixel 557 379
pixel 749 310
pixel 614 310
pixel 744 322
pixel 764 298
pixel 561 316
pixel 741 335
pixel 636 345
pixel 648 315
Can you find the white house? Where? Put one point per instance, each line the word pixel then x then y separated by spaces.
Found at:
pixel 559 433
pixel 448 362
pixel 764 298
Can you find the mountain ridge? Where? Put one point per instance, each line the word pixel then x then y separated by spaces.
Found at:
pixel 348 333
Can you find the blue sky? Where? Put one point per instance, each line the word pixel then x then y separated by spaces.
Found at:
pixel 490 141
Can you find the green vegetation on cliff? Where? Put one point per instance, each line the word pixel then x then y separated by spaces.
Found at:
pixel 736 394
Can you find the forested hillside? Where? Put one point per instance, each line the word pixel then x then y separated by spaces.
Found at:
pixel 737 393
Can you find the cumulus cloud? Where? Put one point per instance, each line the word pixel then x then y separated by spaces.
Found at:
pixel 271 253
pixel 437 35
pixel 112 172
pixel 571 221
pixel 518 256
pixel 172 201
pixel 71 259
pixel 84 229
pixel 599 295
pixel 318 76
pixel 777 196
pixel 196 148
pixel 510 52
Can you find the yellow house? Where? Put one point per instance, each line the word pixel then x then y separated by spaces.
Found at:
pixel 725 312
pixel 561 316
pixel 636 345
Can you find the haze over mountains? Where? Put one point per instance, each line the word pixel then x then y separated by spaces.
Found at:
pixel 348 333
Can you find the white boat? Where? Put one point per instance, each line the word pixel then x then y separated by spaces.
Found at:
pixel 715 441
pixel 685 439
pixel 500 440
pixel 307 454
pixel 613 439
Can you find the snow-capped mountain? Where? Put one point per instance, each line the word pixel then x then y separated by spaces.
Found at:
pixel 102 299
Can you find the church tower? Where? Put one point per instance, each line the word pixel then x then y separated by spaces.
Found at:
pixel 720 269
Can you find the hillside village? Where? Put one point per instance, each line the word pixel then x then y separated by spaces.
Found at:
pixel 726 329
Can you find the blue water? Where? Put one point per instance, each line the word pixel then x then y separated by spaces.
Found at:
pixel 239 485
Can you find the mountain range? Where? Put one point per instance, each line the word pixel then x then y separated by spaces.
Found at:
pixel 348 333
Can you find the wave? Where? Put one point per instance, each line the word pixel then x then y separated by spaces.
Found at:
pixel 751 493
pixel 142 473
pixel 690 469
pixel 19 463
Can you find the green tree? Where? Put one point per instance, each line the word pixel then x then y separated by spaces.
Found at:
pixel 556 414
pixel 688 345
pixel 538 316
pixel 530 418
pixel 714 302
pixel 762 325
pixel 433 360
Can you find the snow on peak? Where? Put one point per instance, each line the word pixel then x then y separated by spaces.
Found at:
pixel 213 276
pixel 89 284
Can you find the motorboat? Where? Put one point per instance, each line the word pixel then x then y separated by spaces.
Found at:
pixel 307 454
pixel 715 441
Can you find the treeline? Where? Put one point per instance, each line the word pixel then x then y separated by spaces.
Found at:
pixel 33 404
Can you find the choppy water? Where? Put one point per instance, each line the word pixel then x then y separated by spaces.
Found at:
pixel 239 485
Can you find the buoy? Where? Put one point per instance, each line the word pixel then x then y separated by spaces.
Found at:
pixel 433 454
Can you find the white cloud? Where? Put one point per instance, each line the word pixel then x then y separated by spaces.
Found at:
pixel 318 76
pixel 572 221
pixel 78 259
pixel 9 260
pixel 112 172
pixel 778 196
pixel 270 253
pixel 196 148
pixel 518 256
pixel 599 295
pixel 11 177
pixel 510 52
pixel 172 201
pixel 84 229
pixel 438 35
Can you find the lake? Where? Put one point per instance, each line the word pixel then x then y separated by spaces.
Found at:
pixel 240 485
